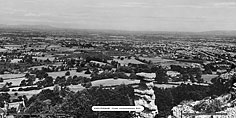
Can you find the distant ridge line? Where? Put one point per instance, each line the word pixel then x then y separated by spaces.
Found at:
pixel 48 27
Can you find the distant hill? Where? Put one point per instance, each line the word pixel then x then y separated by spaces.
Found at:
pixel 41 27
pixel 221 32
pixel 51 28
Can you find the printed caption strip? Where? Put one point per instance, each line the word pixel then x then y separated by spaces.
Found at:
pixel 118 108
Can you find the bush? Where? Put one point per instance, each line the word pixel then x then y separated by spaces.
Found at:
pixel 4 89
pixel 79 69
pixel 1 79
pixel 166 99
pixel 87 85
pixel 67 73
pixel 28 89
pixel 87 72
pixel 125 69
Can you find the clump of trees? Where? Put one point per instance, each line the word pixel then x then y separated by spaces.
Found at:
pixel 79 104
pixel 108 75
pixel 166 99
pixel 96 57
pixel 222 86
pixel 4 89
pixel 28 88
pixel 188 73
pixel 161 76
pixel 4 97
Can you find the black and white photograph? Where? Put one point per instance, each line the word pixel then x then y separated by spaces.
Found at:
pixel 117 59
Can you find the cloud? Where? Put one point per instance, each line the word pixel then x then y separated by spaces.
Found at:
pixel 187 6
pixel 11 11
pixel 225 4
pixel 119 5
pixel 135 4
pixel 207 5
pixel 32 14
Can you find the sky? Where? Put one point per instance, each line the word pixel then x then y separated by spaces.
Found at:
pixel 133 15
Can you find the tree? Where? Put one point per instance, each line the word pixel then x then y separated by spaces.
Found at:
pixel 125 69
pixel 9 84
pixel 67 73
pixel 87 72
pixel 27 75
pixel 30 80
pixel 48 81
pixel 62 81
pixel 161 76
pixel 40 84
pixel 79 104
pixel 15 94
pixel 133 76
pixel 185 77
pixel 56 89
pixel 1 79
pixel 87 85
pixel 23 83
pixel 57 80
pixel 79 69
pixel 5 89
pixel 69 80
pixel 4 97
pixel 199 77
pixel 164 101
pixel 41 74
pixel 192 79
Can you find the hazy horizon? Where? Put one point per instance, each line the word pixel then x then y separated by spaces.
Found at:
pixel 131 15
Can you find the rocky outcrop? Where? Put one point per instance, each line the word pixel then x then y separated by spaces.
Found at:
pixel 222 104
pixel 144 96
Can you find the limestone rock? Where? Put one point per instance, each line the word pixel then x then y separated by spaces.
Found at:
pixel 144 96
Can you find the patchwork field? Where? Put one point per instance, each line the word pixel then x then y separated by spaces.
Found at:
pixel 15 82
pixel 45 58
pixel 165 85
pixel 156 59
pixel 9 76
pixel 208 77
pixel 75 88
pixel 3 50
pixel 112 82
pixel 127 61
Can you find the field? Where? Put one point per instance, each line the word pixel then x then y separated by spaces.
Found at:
pixel 8 76
pixel 75 88
pixel 208 77
pixel 45 66
pixel 188 82
pixel 45 58
pixel 97 62
pixel 111 82
pixel 165 86
pixel 127 61
pixel 15 82
pixel 38 67
pixel 156 59
pixel 28 93
pixel 3 50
